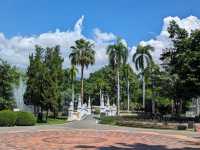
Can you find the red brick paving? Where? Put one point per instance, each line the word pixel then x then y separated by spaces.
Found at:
pixel 92 140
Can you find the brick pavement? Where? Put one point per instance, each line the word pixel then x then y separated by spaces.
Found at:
pixel 88 135
pixel 93 140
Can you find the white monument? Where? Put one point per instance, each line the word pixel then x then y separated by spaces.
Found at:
pixel 82 110
pixel 107 109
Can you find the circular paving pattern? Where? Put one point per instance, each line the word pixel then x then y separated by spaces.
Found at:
pixel 73 139
pixel 76 139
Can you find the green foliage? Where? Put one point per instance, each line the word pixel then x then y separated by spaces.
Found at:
pixel 104 79
pixel 35 75
pixel 45 79
pixel 25 119
pixel 8 77
pixel 7 118
pixel 183 65
pixel 117 53
pixel 6 104
pixel 142 58
pixel 53 79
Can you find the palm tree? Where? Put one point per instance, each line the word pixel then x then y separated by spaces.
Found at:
pixel 72 75
pixel 117 54
pixel 127 69
pixel 152 72
pixel 100 83
pixel 83 55
pixel 142 58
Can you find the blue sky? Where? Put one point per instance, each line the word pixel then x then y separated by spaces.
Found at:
pixel 134 20
pixel 26 23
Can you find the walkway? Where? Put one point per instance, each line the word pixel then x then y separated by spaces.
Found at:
pixel 88 135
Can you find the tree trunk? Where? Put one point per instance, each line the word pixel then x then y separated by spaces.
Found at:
pixel 82 68
pixel 73 95
pixel 143 91
pixel 47 114
pixel 153 106
pixel 118 94
pixel 128 95
pixel 35 111
pixel 180 106
pixel 153 99
pixel 100 95
pixel 172 107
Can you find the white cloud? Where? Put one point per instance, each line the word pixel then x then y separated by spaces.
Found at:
pixel 103 36
pixel 162 41
pixel 16 50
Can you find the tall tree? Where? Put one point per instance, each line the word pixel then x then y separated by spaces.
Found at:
pixel 182 63
pixel 142 58
pixel 54 76
pixel 33 94
pixel 127 70
pixel 72 75
pixel 82 54
pixel 117 54
pixel 45 78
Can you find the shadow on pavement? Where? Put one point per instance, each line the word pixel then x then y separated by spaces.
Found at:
pixel 137 146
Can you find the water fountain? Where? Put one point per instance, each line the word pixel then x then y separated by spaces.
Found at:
pixel 18 93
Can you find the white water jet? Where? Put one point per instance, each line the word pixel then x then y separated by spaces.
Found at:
pixel 18 94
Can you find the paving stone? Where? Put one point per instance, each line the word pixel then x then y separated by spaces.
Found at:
pixel 93 140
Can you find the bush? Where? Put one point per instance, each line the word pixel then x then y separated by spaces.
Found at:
pixel 7 118
pixel 25 119
pixel 181 127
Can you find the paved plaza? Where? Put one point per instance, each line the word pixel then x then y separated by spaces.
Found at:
pixel 86 134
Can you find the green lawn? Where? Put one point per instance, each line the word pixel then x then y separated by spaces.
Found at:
pixel 52 121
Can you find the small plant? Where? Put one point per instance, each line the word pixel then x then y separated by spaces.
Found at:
pixel 25 119
pixel 7 118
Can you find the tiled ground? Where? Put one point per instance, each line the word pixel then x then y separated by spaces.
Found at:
pixel 90 139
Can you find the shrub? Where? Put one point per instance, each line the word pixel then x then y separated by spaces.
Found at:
pixel 25 119
pixel 181 127
pixel 7 118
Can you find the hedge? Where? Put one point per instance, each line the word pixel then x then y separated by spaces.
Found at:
pixel 25 119
pixel 7 118
pixel 10 118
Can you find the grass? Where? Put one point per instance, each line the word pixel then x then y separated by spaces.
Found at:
pixel 130 121
pixel 52 121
